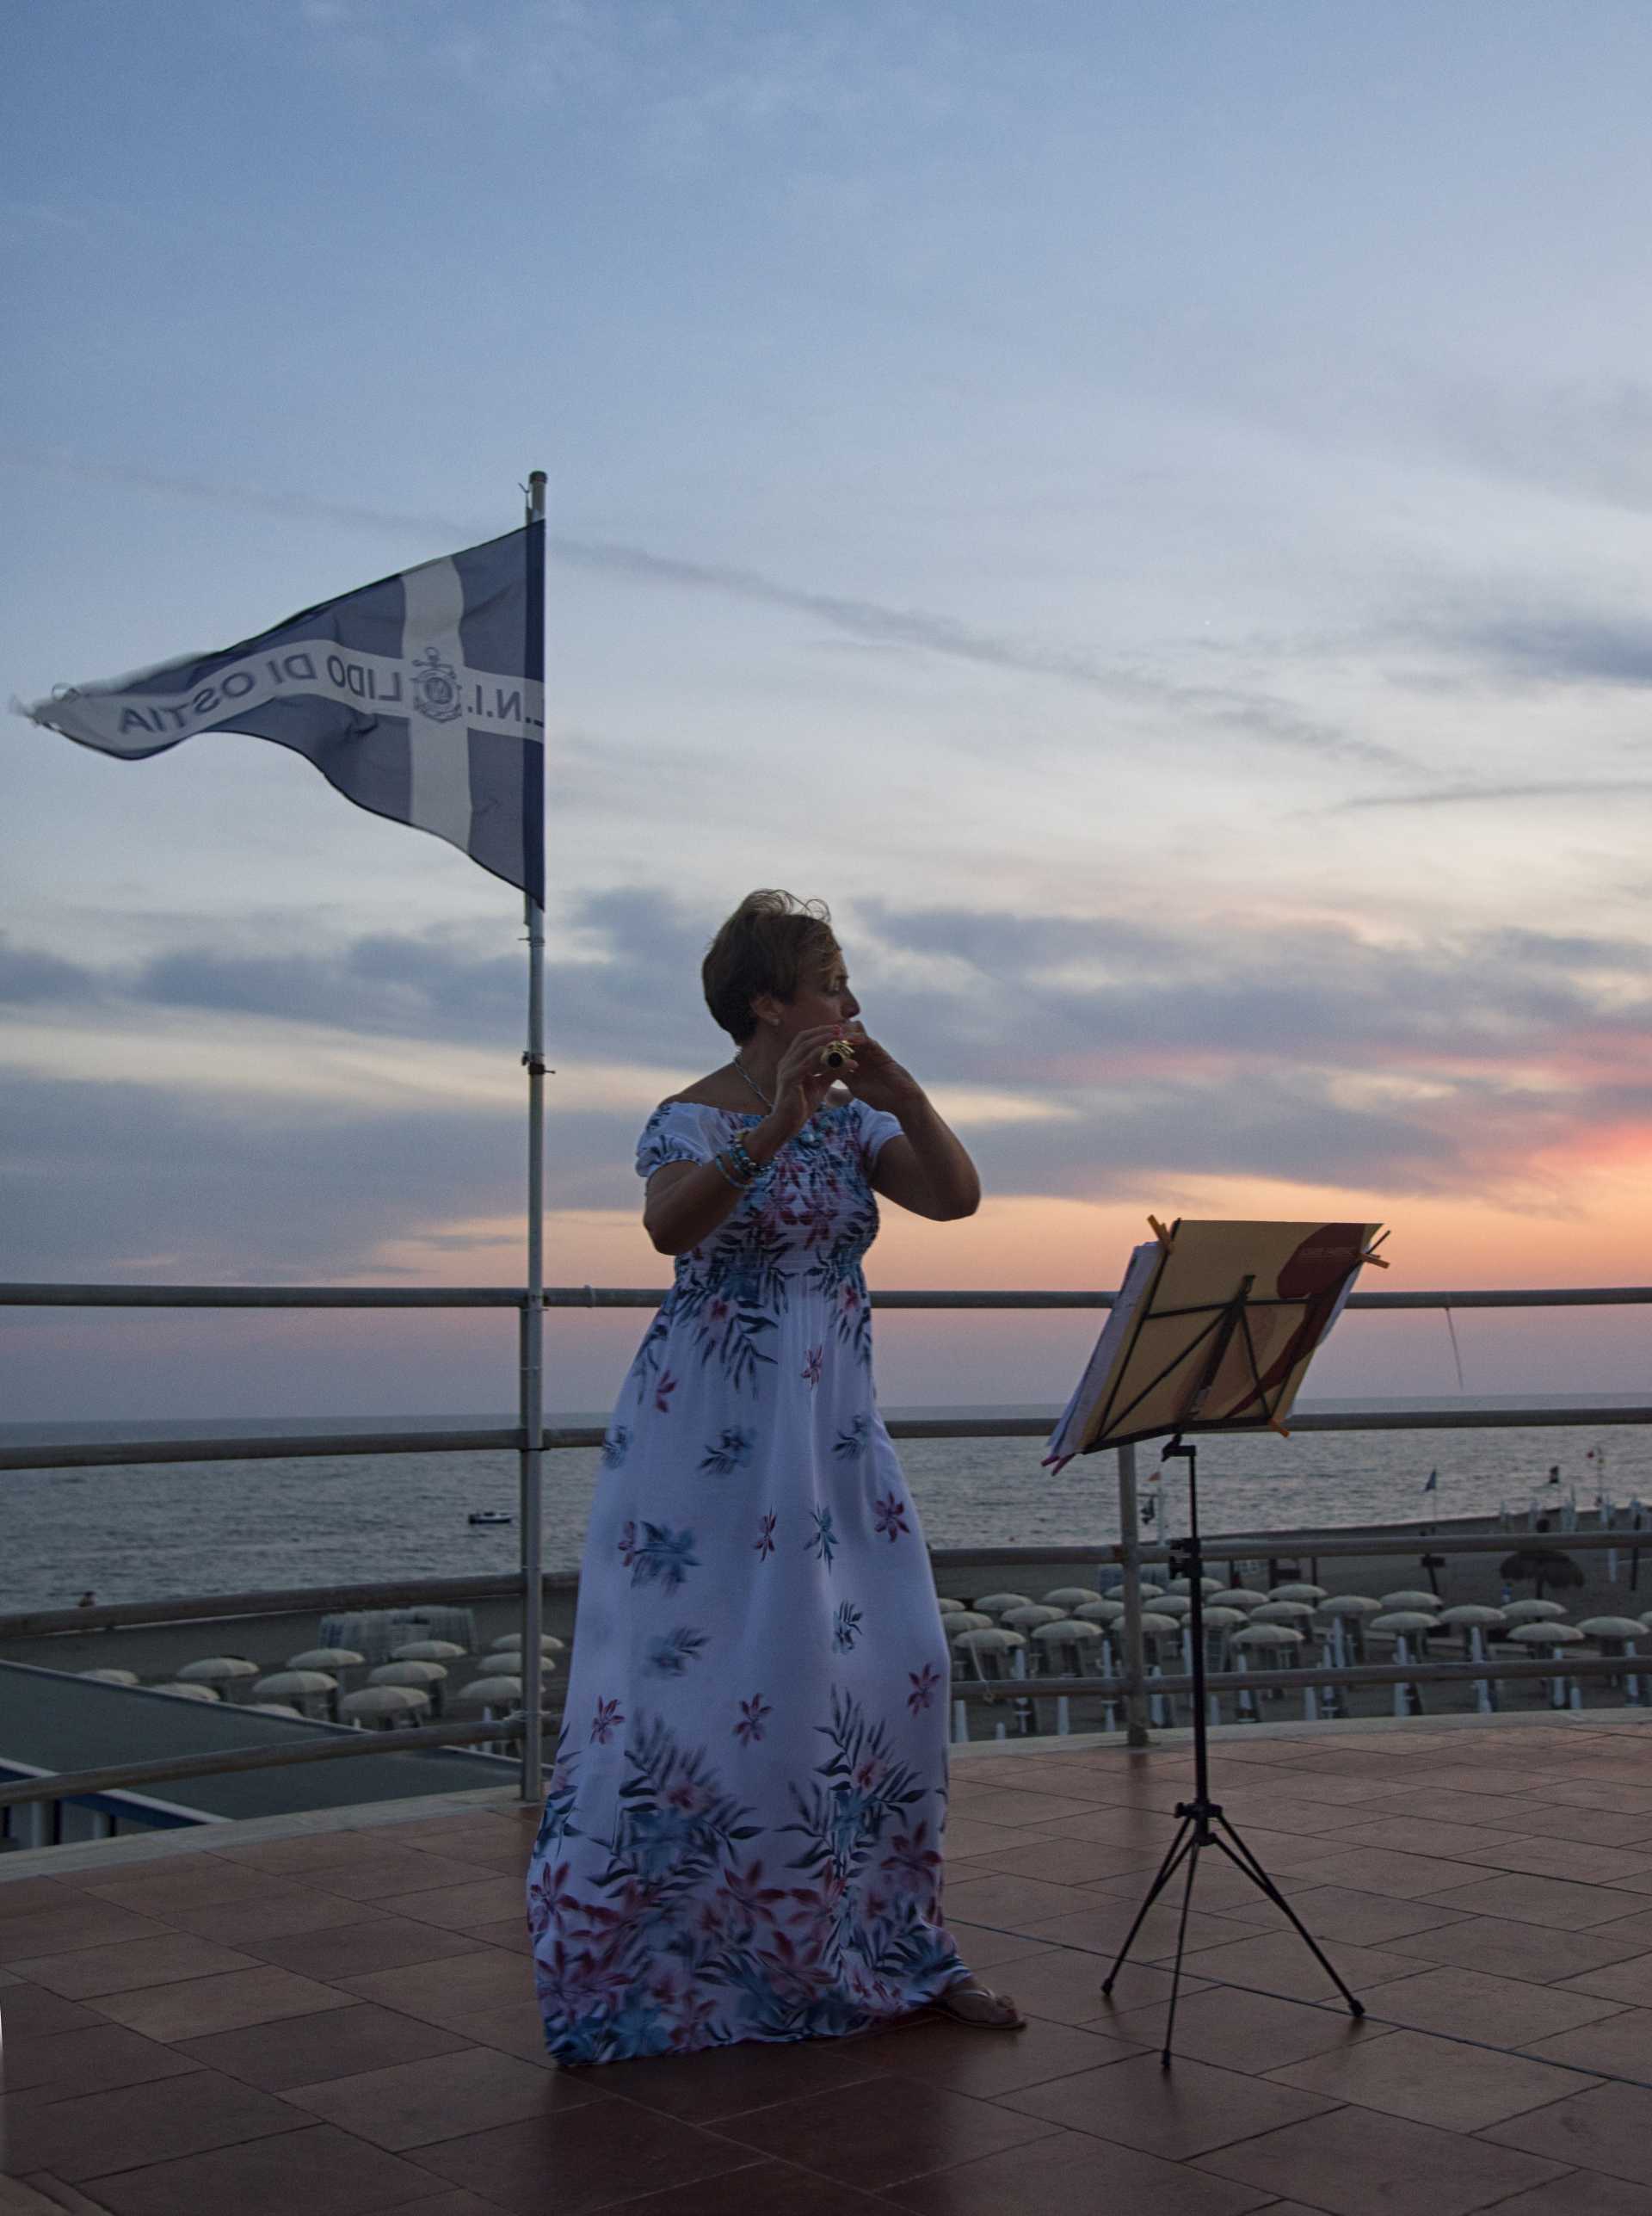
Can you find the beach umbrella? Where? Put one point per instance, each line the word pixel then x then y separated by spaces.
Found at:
pixel 428 1650
pixel 1151 1592
pixel 950 1607
pixel 1281 1612
pixel 1349 1604
pixel 307 1688
pixel 1221 1619
pixel 993 1652
pixel 510 1645
pixel 186 1692
pixel 1071 1597
pixel 381 1707
pixel 1242 1596
pixel 1611 1627
pixel 1411 1599
pixel 1255 1636
pixel 426 1677
pixel 1156 1625
pixel 967 1620
pixel 1400 1621
pixel 1470 1614
pixel 1174 1604
pixel 111 1677
pixel 219 1669
pixel 1546 1634
pixel 1100 1612
pixel 1297 1592
pixel 993 1604
pixel 1068 1632
pixel 1029 1617
pixel 326 1657
pixel 274 1708
pixel 491 1693
pixel 1532 1612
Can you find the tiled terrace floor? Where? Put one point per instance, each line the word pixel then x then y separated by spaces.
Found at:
pixel 340 2020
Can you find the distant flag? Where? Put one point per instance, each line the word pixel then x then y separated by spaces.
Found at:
pixel 421 698
pixel 1432 1486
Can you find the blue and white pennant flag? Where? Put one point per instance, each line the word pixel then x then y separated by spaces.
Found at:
pixel 421 698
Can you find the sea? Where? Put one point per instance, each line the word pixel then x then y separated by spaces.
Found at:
pixel 150 1531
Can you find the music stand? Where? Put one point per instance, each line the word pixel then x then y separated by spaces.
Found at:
pixel 1213 1331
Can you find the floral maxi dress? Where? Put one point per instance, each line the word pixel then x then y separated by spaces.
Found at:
pixel 741 1835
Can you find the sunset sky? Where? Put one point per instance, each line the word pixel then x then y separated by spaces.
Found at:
pixel 1147 511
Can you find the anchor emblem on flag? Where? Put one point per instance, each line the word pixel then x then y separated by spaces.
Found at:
pixel 434 690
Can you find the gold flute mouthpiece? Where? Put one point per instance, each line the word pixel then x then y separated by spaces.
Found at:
pixel 837 1054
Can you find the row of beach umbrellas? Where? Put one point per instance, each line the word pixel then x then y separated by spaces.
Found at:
pixel 397 1691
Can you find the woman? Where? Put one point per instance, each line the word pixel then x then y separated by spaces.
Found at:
pixel 742 1836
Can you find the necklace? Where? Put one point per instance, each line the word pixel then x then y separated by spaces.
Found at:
pixel 753 1083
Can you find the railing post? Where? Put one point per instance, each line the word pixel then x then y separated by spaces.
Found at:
pixel 1130 1536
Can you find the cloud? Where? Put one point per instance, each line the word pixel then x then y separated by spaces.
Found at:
pixel 1255 715
pixel 29 976
pixel 1446 796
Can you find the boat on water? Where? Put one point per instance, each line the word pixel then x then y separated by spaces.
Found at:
pixel 490 1516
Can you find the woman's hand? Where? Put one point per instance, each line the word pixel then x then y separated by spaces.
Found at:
pixel 877 1077
pixel 800 1083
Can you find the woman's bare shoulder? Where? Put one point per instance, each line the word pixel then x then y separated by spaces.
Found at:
pixel 720 1090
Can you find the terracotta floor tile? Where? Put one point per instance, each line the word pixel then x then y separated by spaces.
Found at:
pixel 188 1881
pixel 765 2188
pixel 1530 1950
pixel 205 2005
pixel 439 1990
pixel 991 1896
pixel 1019 1811
pixel 334 2043
pixel 1626 1799
pixel 1597 1827
pixel 1250 2032
pixel 1629 1982
pixel 57 1930
pixel 988 2066
pixel 1413 1834
pixel 1447 2082
pixel 874 2134
pixel 1062 1861
pixel 29 2011
pixel 241 1923
pixel 320 2171
pixel 382 1875
pixel 593 2160
pixel 967 1836
pixel 354 1950
pixel 1394 1875
pixel 1279 1962
pixel 729 2081
pixel 1608 2129
pixel 986 1950
pixel 30 1896
pixel 1219 1887
pixel 457 2203
pixel 1583 2193
pixel 1366 1919
pixel 1502 2012
pixel 96 2132
pixel 455 1907
pixel 1079 2176
pixel 1562 1904
pixel 1618 2046
pixel 1590 1863
pixel 89 1971
pixel 1178 2113
pixel 1356 2162
pixel 1065 1985
pixel 511 1933
pixel 65 2063
pixel 1106 1922
pixel 411 2104
pixel 312 1852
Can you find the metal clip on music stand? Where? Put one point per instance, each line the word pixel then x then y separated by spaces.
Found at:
pixel 1201 1348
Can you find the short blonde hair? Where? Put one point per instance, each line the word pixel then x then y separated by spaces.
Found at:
pixel 765 947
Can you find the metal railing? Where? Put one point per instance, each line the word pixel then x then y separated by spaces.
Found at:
pixel 1132 1685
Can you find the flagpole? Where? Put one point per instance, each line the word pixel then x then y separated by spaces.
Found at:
pixel 531 1406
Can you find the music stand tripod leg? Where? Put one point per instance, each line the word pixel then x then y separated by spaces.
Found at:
pixel 1245 1860
pixel 1184 1844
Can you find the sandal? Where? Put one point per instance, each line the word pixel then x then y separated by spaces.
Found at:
pixel 966 2000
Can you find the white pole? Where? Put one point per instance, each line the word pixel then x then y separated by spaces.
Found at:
pixel 533 1325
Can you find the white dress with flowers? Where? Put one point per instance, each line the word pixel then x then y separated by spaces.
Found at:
pixel 742 1836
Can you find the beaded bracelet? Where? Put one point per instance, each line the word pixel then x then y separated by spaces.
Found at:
pixel 743 1161
pixel 739 1183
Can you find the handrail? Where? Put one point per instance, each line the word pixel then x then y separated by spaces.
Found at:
pixel 50 1295
pixel 72 1454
